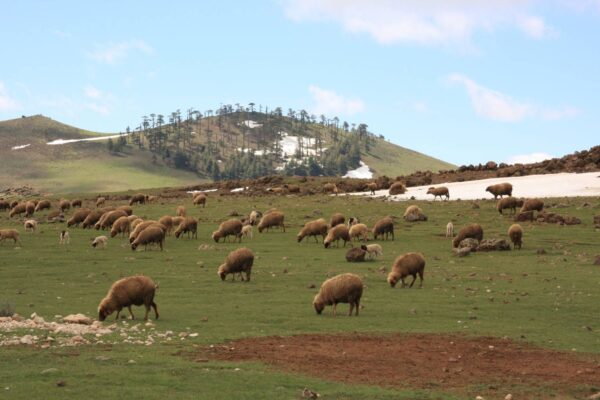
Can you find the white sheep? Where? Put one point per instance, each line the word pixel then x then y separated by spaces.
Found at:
pixel 30 225
pixel 65 238
pixel 374 250
pixel 247 231
pixel 450 229
pixel 100 242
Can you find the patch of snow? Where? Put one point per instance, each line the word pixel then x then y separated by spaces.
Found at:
pixel 21 147
pixel 240 189
pixel 202 191
pixel 362 172
pixel 67 141
pixel 290 144
pixel 251 124
pixel 255 152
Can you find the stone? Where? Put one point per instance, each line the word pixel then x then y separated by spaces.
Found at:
pixel 77 319
pixel 493 245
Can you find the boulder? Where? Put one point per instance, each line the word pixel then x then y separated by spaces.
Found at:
pixel 493 245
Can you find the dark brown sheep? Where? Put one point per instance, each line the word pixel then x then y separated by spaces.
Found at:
pixel 237 262
pixel 200 199
pixel 313 228
pixel 133 290
pixel 4 205
pixel 92 218
pixel 292 188
pixel 356 254
pixel 231 227
pixel 337 219
pixel 29 208
pixel 43 205
pixel 137 199
pixel 407 264
pixel 335 234
pixel 343 288
pixel 189 225
pixel 64 205
pixel 384 227
pixel 441 191
pixel 76 203
pixel 532 205
pixel 109 218
pixel 397 188
pixel 152 234
pixel 474 231
pixel 515 232
pixel 270 220
pixel 78 217
pixel 500 189
pixel 167 221
pixel 507 203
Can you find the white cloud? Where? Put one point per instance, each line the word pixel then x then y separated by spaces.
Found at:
pixel 113 52
pixel 7 103
pixel 535 27
pixel 528 158
pixel 92 92
pixel 328 102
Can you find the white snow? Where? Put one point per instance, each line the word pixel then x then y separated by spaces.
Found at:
pixel 290 144
pixel 21 147
pixel 66 141
pixel 550 185
pixel 202 191
pixel 251 124
pixel 362 172
pixel 240 189
pixel 255 152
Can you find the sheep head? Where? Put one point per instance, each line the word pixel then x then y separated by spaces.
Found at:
pixel 216 235
pixel 392 280
pixel 221 272
pixel 318 304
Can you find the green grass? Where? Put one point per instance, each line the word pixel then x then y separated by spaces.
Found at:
pixel 546 299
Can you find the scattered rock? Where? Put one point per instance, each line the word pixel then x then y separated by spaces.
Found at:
pixel 49 371
pixel 525 216
pixel 462 251
pixel 77 319
pixel 493 245
pixel 469 243
pixel 61 383
pixel 310 394
pixel 508 397
pixel 312 286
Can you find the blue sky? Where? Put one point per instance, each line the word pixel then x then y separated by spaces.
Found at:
pixel 466 81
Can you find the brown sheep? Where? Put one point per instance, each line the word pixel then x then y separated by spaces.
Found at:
pixel 78 217
pixel 14 203
pixel 500 189
pixel 64 205
pixel 29 208
pixel 128 210
pixel 330 188
pixel 335 234
pixel 238 261
pixel 137 198
pixel 91 219
pixel 152 234
pixel 132 218
pixel 336 219
pixel 356 254
pixel 359 231
pixel 270 220
pixel 200 199
pixel 139 227
pixel 414 213
pixel 189 225
pixel 100 201
pixel 405 265
pixel 343 288
pixel 507 203
pixel 397 188
pixel 439 191
pixel 10 234
pixel 515 232
pixel 134 223
pixel 76 203
pixel 133 290
pixel 231 227
pixel 181 211
pixel 19 209
pixel 151 199
pixel 55 216
pixel 532 205
pixel 254 217
pixel 313 228
pixel 109 218
pixel 372 187
pixel 121 225
pixel 5 205
pixel 292 188
pixel 167 221
pixel 43 205
pixel 474 231
pixel 384 227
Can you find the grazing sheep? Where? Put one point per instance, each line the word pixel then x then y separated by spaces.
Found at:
pixel 372 187
pixel 64 205
pixel 238 261
pixel 177 221
pixel 343 288
pixel 335 234
pixel 356 254
pixel 532 205
pixel 152 234
pixel 515 232
pixel 132 218
pixel 524 216
pixel 167 221
pixel 181 211
pixel 137 198
pixel 397 188
pixel 360 232
pixel 30 225
pixel 374 250
pixel 200 199
pixel 78 217
pixel 91 219
pixel 314 228
pixel 292 188
pixel 336 219
pixel 76 203
pixel 133 290
pixel 5 205
pixel 270 220
pixel 121 225
pixel 10 234
pixel 55 216
pixel 247 231
pixel 473 231
pixel 352 221
pixel 14 203
pixel 151 199
pixel 100 201
pixel 109 218
pixel 64 237
pixel 100 242
pixel 189 225
pixel 330 188
pixel 450 229
pixel 19 209
pixel 128 210
pixel 384 226
pixel 405 265
pixel 231 227
pixel 139 228
pixel 254 217
pixel 414 213
pixel 30 208
pixel 43 205
pixel 507 203
pixel 439 191
pixel 135 222
pixel 500 189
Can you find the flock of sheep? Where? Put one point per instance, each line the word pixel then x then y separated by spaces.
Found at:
pixel 344 288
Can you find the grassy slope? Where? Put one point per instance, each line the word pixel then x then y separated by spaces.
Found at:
pixel 544 299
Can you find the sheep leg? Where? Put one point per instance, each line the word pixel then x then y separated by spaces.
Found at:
pixel 334 306
pixel 403 283
pixel 247 276
pixel 357 305
pixel 118 313
pixel 147 311
pixel 420 279
pixel 155 309
pixel 413 281
pixel 351 308
pixel 131 312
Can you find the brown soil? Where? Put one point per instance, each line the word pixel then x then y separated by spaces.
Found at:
pixel 424 361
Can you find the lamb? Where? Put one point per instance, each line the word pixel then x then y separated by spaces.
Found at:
pixel 231 227
pixel 180 212
pixel 109 218
pixel 336 219
pixel 335 234
pixel 100 201
pixel 359 231
pixel 314 228
pixel 200 199
pixel 121 225
pixel 92 218
pixel 500 189
pixel 272 219
pixel 532 205
pixel 152 234
pixel 474 231
pixel 384 226
pixel 450 229
pixel 133 290
pixel 254 217
pixel 167 221
pixel 238 261
pixel 343 288
pixel 137 198
pixel 374 250
pixel 372 187
pixel 64 237
pixel 405 265
pixel 76 203
pixel 30 225
pixel 64 205
pixel 78 217
pixel 356 254
pixel 10 234
pixel 515 232
pixel 397 188
pixel 128 210
pixel 439 191
pixel 189 225
pixel 100 242
pixel 19 209
pixel 507 203
pixel 247 231
pixel 43 205
pixel 30 208
pixel 414 213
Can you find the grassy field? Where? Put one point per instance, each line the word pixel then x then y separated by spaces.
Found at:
pixel 550 300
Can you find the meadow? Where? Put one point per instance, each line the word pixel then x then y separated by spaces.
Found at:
pixel 549 300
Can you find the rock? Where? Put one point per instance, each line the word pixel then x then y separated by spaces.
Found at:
pixel 312 286
pixel 27 340
pixel 493 245
pixel 462 252
pixel 524 216
pixel 597 219
pixel 572 220
pixel 17 318
pixel 309 394
pixel 595 396
pixel 471 243
pixel 61 383
pixel 474 206
pixel 77 319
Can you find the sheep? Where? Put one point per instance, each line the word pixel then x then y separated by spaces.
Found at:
pixel 76 203
pixel 356 254
pixel 330 188
pixel 405 265
pixel 64 237
pixel 55 216
pixel 238 261
pixel 4 205
pixel 167 221
pixel 450 229
pixel 43 205
pixel 359 231
pixel 180 212
pixel 121 225
pixel 414 213
pixel 128 210
pixel 352 221
pixel 152 234
pixel 178 220
pixel 374 250
pixel 500 189
pixel 132 218
pixel 336 219
pixel 19 209
pixel 189 225
pixel 64 205
pixel 292 188
pixel 515 232
pixel 109 218
pixel 272 219
pixel 14 203
pixel 78 217
pixel 100 242
pixel 135 231
pixel 91 219
pixel 133 290
pixel 384 226
pixel 30 225
pixel 314 228
pixel 137 198
pixel 372 187
pixel 231 227
pixel 254 217
pixel 100 201
pixel 343 288
pixel 474 231
pixel 439 191
pixel 532 205
pixel 30 208
pixel 335 234
pixel 507 203
pixel 134 223
pixel 397 188
pixel 247 231
pixel 200 199
pixel 151 199
pixel 10 234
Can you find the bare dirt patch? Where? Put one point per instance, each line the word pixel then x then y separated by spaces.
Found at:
pixel 425 361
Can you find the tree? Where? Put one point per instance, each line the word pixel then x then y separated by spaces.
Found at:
pixel 110 145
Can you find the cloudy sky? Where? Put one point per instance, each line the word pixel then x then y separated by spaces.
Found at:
pixel 462 80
